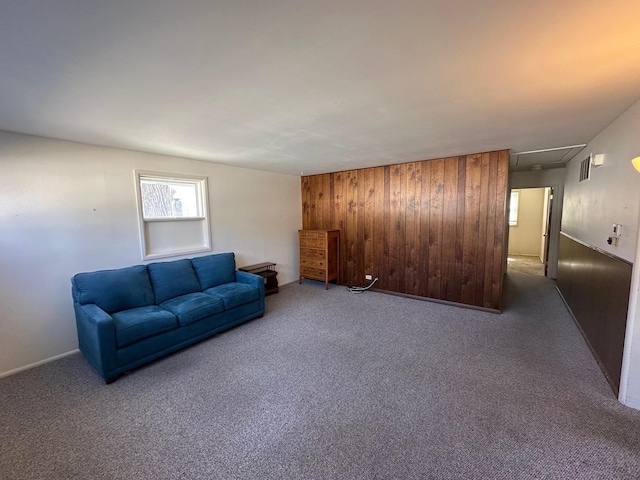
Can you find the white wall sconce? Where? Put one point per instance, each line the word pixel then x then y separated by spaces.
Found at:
pixel 636 163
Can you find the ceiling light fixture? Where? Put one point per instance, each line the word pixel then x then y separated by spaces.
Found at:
pixel 636 163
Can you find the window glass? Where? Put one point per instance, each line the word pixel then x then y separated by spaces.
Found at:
pixel 513 207
pixel 170 198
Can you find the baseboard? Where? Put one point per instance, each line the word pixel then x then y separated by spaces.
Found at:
pixel 437 300
pixel 38 363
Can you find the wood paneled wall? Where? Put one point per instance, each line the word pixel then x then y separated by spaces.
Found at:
pixel 434 228
pixel 596 285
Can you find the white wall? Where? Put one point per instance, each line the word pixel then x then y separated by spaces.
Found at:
pixel 67 207
pixel 546 178
pixel 524 238
pixel 630 376
pixel 612 195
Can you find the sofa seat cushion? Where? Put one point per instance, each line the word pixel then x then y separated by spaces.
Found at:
pixel 138 323
pixel 193 307
pixel 234 294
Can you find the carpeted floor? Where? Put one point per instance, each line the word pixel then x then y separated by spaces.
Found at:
pixel 331 385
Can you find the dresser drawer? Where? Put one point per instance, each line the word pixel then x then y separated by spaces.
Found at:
pixel 312 253
pixel 313 262
pixel 313 234
pixel 313 242
pixel 310 272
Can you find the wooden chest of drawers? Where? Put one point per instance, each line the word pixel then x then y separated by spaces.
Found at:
pixel 319 255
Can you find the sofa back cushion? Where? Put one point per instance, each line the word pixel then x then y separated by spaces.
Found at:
pixel 114 290
pixel 214 270
pixel 172 279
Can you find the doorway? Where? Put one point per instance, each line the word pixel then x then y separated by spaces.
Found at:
pixel 530 212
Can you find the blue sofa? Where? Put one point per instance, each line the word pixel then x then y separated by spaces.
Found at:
pixel 131 316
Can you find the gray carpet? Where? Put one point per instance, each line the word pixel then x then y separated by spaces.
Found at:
pixel 331 385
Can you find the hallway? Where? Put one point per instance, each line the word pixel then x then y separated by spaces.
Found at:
pixel 529 265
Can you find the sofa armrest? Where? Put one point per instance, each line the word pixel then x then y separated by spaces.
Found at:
pixel 96 337
pixel 250 279
pixel 254 280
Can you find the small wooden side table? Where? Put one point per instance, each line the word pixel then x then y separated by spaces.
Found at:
pixel 266 270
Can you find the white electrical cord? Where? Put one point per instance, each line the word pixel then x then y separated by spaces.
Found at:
pixel 357 289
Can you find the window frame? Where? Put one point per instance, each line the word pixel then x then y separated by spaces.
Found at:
pixel 203 199
pixel 514 193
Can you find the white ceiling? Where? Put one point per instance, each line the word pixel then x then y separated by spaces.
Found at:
pixel 314 86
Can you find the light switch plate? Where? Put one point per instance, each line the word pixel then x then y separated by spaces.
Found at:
pixel 617 229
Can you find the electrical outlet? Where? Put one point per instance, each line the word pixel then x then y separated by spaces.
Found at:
pixel 368 277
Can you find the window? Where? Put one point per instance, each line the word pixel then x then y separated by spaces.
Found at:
pixel 173 214
pixel 513 208
pixel 170 198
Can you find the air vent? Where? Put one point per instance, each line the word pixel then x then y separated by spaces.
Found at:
pixel 585 169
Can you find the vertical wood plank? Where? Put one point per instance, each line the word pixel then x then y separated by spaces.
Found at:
pixel 313 201
pixel 499 247
pixel 409 208
pixel 321 206
pixel 482 229
pixel 425 209
pixel 360 221
pixel 306 208
pixel 385 232
pixel 491 221
pixel 471 228
pixel 412 236
pixel 398 175
pixel 333 223
pixel 450 289
pixel 459 236
pixel 435 224
pixel 351 228
pixel 339 207
pixel 379 228
pixel 368 188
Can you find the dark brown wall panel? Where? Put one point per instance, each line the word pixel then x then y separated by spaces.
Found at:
pixel 434 228
pixel 596 287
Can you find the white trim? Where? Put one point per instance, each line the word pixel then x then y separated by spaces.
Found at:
pixel 173 219
pixel 176 253
pixel 38 363
pixel 631 402
pixel 633 323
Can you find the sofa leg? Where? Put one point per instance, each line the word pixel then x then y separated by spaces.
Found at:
pixel 110 380
pixel 260 316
